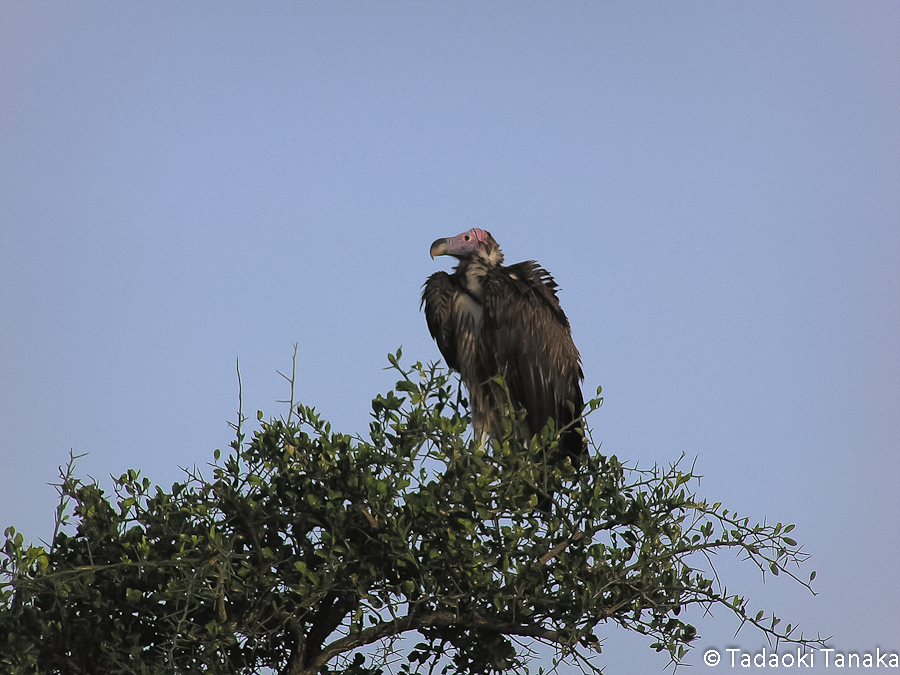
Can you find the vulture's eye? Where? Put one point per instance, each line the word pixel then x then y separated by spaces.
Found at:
pixel 467 237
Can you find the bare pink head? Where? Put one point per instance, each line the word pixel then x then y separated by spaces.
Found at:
pixel 475 242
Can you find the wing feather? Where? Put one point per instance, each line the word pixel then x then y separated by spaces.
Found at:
pixel 437 298
pixel 528 333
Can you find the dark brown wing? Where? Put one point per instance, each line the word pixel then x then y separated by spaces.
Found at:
pixel 437 298
pixel 528 333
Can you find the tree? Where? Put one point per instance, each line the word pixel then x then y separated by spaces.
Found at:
pixel 308 545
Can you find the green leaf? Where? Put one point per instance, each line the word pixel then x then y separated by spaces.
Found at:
pixel 409 387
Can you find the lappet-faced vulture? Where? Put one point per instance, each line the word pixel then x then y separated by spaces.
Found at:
pixel 488 320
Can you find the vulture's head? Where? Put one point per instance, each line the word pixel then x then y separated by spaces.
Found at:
pixel 469 245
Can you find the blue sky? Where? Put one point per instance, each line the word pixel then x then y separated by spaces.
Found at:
pixel 715 186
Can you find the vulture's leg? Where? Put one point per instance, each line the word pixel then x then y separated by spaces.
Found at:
pixel 480 427
pixel 482 445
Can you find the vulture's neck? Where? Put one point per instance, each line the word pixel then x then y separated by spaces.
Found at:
pixel 473 271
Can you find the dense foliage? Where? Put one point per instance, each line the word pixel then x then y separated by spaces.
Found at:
pixel 307 545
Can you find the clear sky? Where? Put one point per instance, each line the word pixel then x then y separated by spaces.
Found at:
pixel 714 185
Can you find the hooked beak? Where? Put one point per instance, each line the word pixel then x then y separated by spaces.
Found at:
pixel 440 247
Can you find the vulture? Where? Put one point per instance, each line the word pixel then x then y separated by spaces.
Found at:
pixel 493 320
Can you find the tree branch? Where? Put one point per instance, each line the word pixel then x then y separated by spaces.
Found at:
pixel 328 618
pixel 437 619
